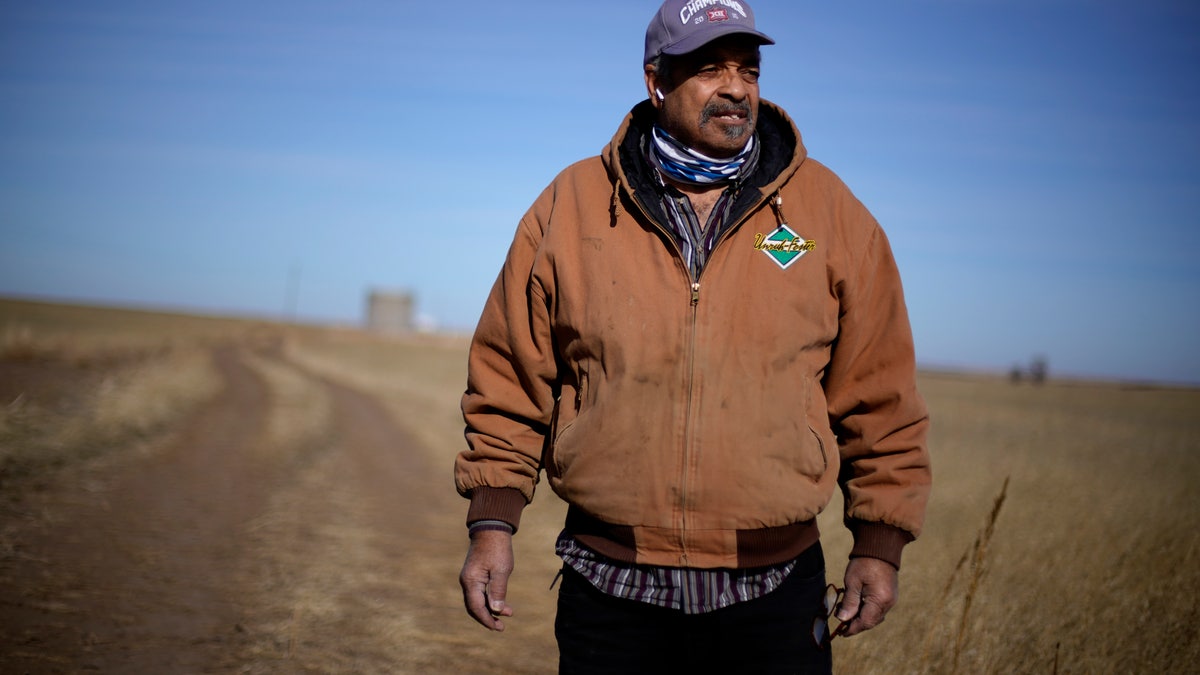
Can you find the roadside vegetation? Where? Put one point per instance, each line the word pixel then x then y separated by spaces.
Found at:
pixel 64 401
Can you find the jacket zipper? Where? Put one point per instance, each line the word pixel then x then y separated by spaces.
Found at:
pixel 684 482
pixel 684 492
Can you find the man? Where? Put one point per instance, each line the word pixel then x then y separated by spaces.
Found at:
pixel 698 335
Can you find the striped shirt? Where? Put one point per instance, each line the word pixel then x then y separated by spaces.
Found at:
pixel 696 240
pixel 691 591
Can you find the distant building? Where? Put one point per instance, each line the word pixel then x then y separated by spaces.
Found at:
pixel 390 312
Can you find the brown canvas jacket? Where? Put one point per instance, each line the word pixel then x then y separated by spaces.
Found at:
pixel 699 422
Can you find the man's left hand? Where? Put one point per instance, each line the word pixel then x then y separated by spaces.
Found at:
pixel 872 586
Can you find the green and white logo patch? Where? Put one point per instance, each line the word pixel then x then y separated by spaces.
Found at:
pixel 783 245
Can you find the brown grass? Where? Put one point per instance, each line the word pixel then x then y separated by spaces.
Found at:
pixel 1097 548
pixel 1085 559
pixel 979 558
pixel 66 409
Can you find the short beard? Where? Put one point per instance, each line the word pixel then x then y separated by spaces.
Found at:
pixel 717 109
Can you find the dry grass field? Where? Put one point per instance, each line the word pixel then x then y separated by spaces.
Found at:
pixel 193 494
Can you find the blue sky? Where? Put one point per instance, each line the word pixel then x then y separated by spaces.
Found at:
pixel 1035 163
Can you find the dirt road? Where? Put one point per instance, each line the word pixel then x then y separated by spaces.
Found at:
pixel 204 554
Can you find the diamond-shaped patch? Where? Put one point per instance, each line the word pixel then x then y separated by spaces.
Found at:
pixel 784 246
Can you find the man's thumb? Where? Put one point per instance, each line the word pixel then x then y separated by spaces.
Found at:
pixel 848 608
pixel 497 592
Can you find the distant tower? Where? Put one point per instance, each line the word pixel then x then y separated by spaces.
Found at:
pixel 390 312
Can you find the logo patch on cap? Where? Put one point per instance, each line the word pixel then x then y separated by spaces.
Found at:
pixel 692 10
pixel 783 246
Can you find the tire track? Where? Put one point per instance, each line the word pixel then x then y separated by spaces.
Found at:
pixel 352 570
pixel 131 574
pixel 213 555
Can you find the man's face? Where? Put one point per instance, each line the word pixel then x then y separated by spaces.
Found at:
pixel 711 100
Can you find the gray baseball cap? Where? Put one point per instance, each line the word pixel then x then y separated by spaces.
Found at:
pixel 683 26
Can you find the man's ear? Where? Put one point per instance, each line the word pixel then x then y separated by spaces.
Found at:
pixel 654 87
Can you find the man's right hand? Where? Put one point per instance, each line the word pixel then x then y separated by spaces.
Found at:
pixel 484 577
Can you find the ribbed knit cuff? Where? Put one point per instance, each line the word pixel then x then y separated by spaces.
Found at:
pixel 877 540
pixel 503 504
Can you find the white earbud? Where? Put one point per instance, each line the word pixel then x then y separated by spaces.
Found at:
pixel 660 94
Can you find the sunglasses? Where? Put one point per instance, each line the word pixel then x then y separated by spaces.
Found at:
pixel 821 634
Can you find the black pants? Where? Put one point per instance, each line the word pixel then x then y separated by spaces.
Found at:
pixel 600 634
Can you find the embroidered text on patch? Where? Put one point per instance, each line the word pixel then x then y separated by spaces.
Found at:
pixel 783 246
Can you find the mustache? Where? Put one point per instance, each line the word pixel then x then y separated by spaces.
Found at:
pixel 718 109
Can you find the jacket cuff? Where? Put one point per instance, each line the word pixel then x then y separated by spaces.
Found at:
pixel 503 504
pixel 878 540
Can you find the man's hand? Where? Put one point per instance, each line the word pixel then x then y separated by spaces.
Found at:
pixel 872 586
pixel 484 577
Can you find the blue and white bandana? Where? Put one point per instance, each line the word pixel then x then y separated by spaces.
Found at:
pixel 685 165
